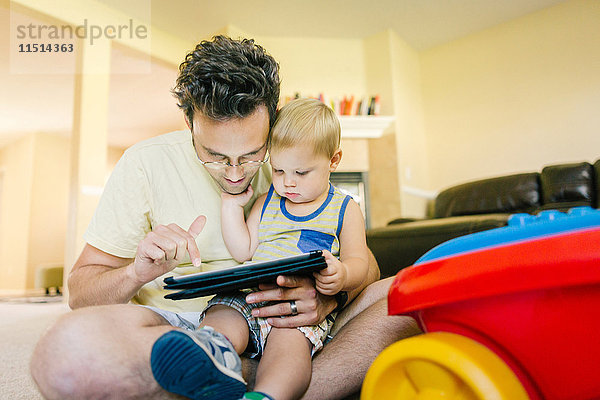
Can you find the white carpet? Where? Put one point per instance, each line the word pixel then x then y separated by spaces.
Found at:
pixel 21 325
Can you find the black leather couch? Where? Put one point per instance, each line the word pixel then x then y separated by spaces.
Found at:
pixel 482 205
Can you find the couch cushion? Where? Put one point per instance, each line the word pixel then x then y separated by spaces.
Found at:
pixel 506 194
pixel 400 245
pixel 568 185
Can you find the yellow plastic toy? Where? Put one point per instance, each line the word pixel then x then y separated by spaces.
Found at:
pixel 440 366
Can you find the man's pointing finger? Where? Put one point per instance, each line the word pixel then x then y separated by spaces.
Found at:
pixel 194 230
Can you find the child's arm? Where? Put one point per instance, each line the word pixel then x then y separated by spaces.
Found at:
pixel 351 269
pixel 240 236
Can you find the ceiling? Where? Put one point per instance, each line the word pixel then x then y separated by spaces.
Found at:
pixel 140 105
pixel 421 23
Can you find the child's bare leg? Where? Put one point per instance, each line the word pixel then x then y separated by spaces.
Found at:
pixel 230 323
pixel 285 367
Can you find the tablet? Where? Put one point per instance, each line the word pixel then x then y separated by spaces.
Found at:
pixel 243 276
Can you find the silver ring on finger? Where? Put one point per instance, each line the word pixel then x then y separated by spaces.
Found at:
pixel 293 307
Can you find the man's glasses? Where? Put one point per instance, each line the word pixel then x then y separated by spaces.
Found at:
pixel 221 165
pixel 246 165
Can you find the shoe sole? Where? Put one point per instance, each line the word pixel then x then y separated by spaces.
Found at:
pixel 183 365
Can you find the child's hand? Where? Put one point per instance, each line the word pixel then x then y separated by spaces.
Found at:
pixel 239 200
pixel 332 279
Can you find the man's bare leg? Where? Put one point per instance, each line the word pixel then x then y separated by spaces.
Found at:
pixel 370 295
pixel 100 352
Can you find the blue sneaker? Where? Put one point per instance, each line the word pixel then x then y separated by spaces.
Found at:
pixel 199 365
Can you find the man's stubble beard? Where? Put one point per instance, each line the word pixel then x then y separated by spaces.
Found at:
pixel 239 192
pixel 224 187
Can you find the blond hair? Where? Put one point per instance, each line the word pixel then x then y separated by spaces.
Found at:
pixel 306 122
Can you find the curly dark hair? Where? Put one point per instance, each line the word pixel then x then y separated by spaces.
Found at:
pixel 225 78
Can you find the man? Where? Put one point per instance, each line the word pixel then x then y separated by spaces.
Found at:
pixel 160 212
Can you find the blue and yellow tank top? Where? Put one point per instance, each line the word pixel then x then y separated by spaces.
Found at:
pixel 282 234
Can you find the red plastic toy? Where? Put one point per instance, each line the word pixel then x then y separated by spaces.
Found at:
pixel 535 304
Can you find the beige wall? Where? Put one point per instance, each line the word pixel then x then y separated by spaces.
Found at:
pixel 516 97
pixel 33 219
pixel 50 189
pixel 16 162
pixel 113 154
pixel 411 145
pixel 383 159
pixel 334 67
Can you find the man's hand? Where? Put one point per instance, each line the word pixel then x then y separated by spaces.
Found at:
pixel 332 279
pixel 164 248
pixel 312 306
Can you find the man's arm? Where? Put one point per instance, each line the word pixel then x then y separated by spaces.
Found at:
pixel 101 278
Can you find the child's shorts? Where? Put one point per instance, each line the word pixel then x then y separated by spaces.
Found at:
pixel 259 328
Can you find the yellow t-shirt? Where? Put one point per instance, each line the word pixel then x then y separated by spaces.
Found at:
pixel 157 182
